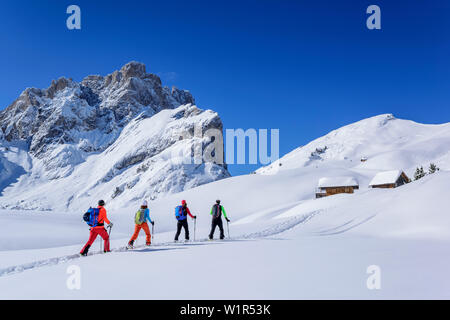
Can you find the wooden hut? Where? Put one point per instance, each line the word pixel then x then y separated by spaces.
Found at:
pixel 389 179
pixel 335 185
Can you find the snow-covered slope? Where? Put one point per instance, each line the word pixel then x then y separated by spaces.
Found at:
pixel 283 244
pixel 310 248
pixel 116 138
pixel 387 143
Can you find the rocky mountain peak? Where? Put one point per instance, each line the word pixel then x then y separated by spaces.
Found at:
pixel 57 114
pixel 60 127
pixel 133 69
pixel 57 85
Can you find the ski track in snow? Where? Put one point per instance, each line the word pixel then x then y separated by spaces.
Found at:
pixel 271 231
pixel 282 227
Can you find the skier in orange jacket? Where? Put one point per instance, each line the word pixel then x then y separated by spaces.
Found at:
pixel 98 229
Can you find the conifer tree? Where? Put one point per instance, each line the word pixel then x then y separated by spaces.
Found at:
pixel 419 174
pixel 433 168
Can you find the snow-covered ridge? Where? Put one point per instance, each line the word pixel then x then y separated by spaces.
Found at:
pixel 379 143
pixel 106 137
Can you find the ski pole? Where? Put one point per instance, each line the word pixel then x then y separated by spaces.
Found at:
pixel 153 231
pixel 195 226
pixel 228 228
pixel 109 233
pixel 101 243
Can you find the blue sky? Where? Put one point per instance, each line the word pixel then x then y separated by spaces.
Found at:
pixel 304 67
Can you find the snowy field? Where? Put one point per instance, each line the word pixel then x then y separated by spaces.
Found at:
pixel 280 247
pixel 283 244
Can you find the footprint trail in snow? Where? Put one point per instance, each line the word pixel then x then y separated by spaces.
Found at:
pixel 271 231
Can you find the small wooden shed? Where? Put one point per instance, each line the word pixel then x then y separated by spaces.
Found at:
pixel 329 186
pixel 389 179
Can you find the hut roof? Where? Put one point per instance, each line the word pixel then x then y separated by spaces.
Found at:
pixel 386 177
pixel 330 182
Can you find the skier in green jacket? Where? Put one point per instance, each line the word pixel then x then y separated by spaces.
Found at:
pixel 216 212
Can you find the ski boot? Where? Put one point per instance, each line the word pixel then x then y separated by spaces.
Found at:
pixel 130 244
pixel 84 253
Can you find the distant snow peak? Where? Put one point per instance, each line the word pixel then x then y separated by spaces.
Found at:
pixel 387 117
pixel 379 143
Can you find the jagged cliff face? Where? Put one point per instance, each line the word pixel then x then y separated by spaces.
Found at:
pixel 105 104
pixel 59 129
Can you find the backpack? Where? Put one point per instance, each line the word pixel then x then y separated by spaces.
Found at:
pixel 139 217
pixel 91 217
pixel 179 213
pixel 217 211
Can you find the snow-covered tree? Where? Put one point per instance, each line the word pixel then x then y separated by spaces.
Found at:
pixel 433 168
pixel 419 174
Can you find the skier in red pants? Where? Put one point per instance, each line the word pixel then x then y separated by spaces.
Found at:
pixel 98 229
